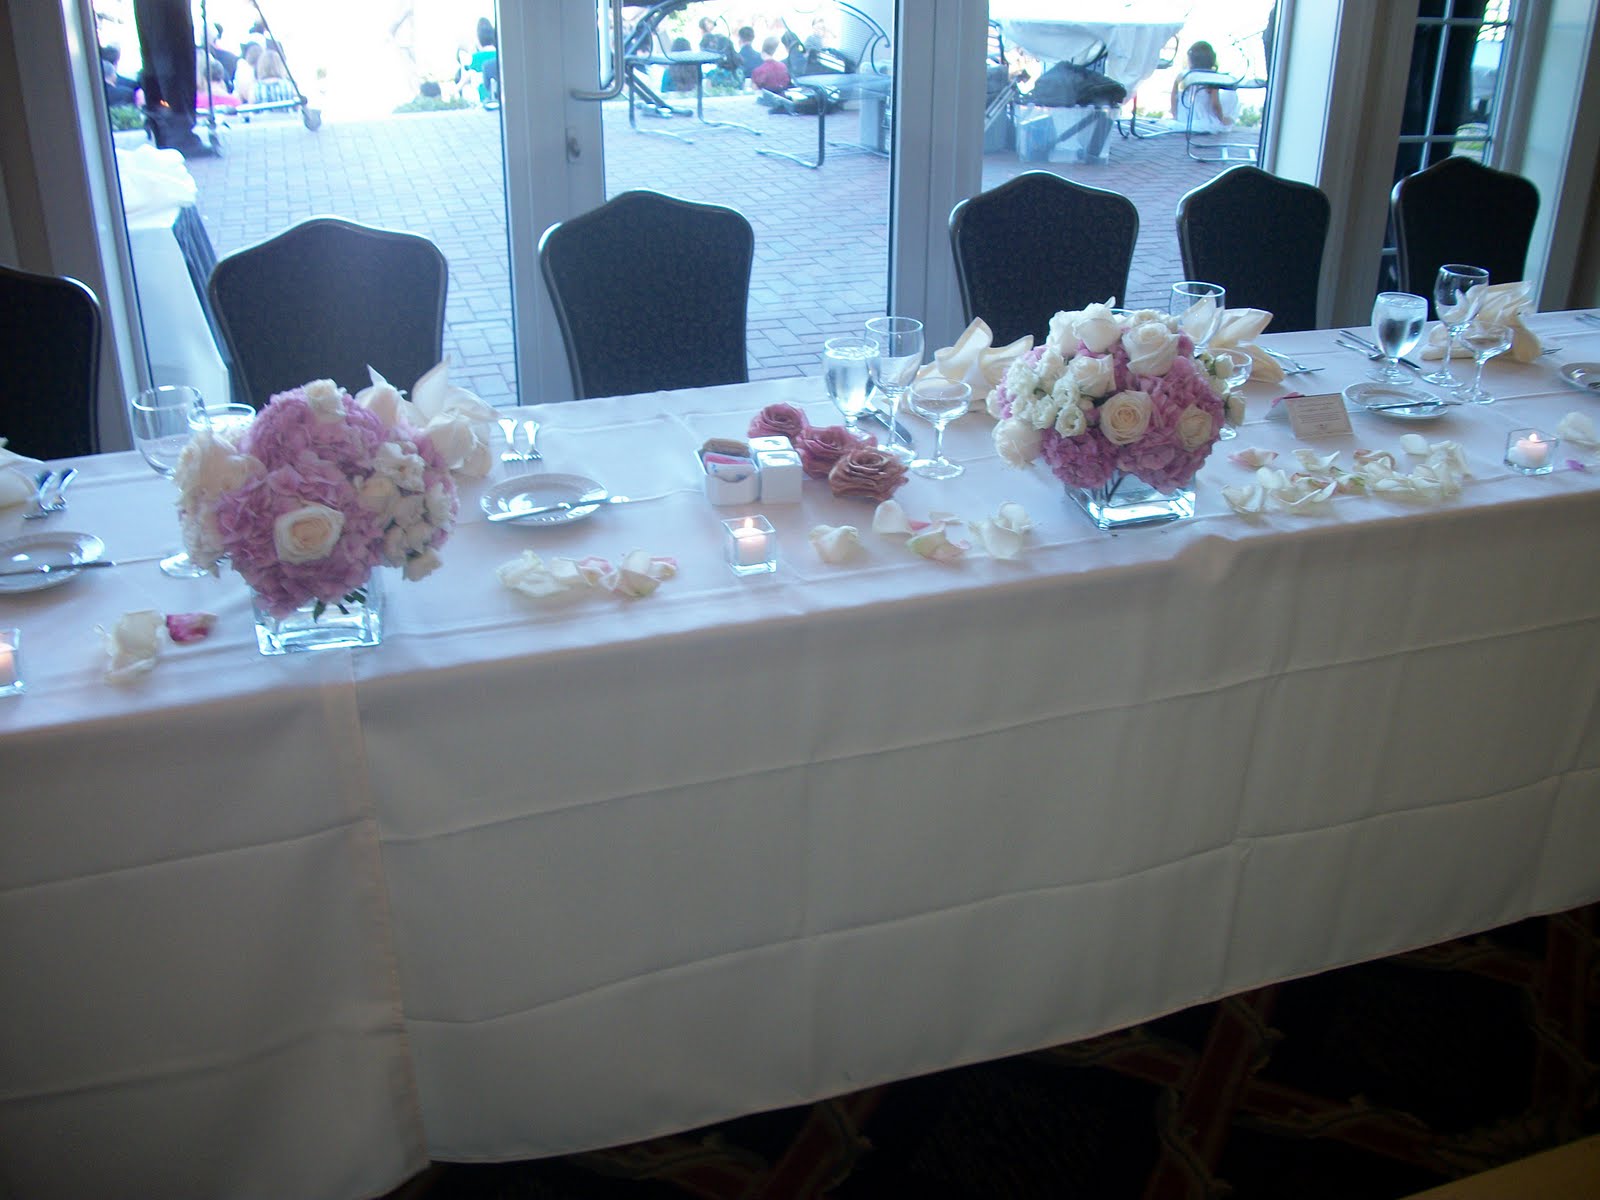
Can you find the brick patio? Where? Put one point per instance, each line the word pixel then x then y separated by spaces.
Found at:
pixel 821 236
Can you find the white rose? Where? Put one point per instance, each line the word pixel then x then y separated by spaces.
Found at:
pixel 1071 422
pixel 325 399
pixel 452 436
pixel 406 469
pixel 1022 380
pixel 382 400
pixel 1092 376
pixel 408 510
pixel 378 493
pixel 394 546
pixel 1151 347
pixel 308 533
pixel 1195 427
pixel 420 566
pixel 1125 417
pixel 1051 367
pixel 438 505
pixel 1017 442
pixel 1097 328
pixel 1062 338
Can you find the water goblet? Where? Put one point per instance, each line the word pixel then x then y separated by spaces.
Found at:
pixel 1233 367
pixel 1199 307
pixel 162 419
pixel 1485 339
pixel 847 373
pixel 940 401
pixel 1397 321
pixel 894 367
pixel 1455 311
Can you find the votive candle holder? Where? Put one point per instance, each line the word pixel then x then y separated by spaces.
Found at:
pixel 751 545
pixel 1531 451
pixel 11 683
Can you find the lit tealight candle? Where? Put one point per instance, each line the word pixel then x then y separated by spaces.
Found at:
pixel 751 545
pixel 1531 452
pixel 10 671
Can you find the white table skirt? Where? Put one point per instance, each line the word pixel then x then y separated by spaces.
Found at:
pixel 747 843
pixel 1133 48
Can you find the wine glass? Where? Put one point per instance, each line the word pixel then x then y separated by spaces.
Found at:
pixel 1397 320
pixel 1455 313
pixel 940 401
pixel 1485 339
pixel 162 419
pixel 894 367
pixel 1233 367
pixel 1198 307
pixel 847 372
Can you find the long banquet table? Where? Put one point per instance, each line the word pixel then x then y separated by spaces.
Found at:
pixel 532 878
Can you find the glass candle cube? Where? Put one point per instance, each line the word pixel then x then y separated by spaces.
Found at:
pixel 10 662
pixel 1531 451
pixel 751 545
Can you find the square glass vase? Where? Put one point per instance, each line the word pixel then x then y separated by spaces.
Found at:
pixel 1124 501
pixel 357 620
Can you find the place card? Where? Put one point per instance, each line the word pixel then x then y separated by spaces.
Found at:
pixel 11 683
pixel 1318 416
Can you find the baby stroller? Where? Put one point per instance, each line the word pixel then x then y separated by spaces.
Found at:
pixel 273 95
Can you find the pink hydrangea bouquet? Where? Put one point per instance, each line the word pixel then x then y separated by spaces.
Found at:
pixel 1111 392
pixel 313 494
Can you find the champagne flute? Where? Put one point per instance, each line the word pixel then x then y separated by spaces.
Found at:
pixel 1485 339
pixel 847 372
pixel 162 419
pixel 940 401
pixel 1397 321
pixel 894 367
pixel 1233 367
pixel 1450 289
pixel 1199 307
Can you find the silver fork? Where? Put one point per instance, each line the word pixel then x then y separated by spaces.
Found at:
pixel 531 428
pixel 1589 318
pixel 1292 366
pixel 49 481
pixel 510 455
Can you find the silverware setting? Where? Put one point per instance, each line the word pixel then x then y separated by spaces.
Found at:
pixel 53 568
pixel 50 498
pixel 1424 402
pixel 1589 318
pixel 530 431
pixel 1291 366
pixel 897 431
pixel 512 514
pixel 1354 341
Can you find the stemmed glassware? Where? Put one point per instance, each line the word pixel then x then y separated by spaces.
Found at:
pixel 894 367
pixel 1455 314
pixel 162 420
pixel 847 372
pixel 1199 307
pixel 940 401
pixel 1397 321
pixel 1485 339
pixel 1233 367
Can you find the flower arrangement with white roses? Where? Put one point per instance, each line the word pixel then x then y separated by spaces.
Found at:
pixel 318 490
pixel 1111 392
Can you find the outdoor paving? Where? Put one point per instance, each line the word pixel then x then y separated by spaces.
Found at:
pixel 821 236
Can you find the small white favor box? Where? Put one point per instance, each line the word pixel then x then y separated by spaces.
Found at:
pixel 760 444
pixel 780 474
pixel 730 472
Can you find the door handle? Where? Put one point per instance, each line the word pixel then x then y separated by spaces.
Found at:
pixel 614 86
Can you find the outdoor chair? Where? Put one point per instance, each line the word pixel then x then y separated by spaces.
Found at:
pixel 325 299
pixel 650 293
pixel 649 47
pixel 1260 237
pixel 1038 244
pixel 50 328
pixel 860 68
pixel 1459 211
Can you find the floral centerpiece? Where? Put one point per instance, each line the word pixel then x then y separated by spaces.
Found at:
pixel 1111 397
pixel 311 496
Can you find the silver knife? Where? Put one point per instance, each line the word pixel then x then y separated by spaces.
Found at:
pixel 1424 403
pixel 898 431
pixel 1370 349
pixel 52 568
pixel 512 514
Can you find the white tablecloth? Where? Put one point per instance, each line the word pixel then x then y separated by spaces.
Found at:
pixel 529 879
pixel 1133 47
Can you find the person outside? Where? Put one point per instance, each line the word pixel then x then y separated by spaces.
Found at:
pixel 685 77
pixel 1214 108
pixel 749 56
pixel 244 75
pixel 771 75
pixel 486 61
pixel 166 47
pixel 271 84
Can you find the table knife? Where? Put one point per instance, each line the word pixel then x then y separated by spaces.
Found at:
pixel 51 568
pixel 511 514
pixel 1371 349
pixel 899 431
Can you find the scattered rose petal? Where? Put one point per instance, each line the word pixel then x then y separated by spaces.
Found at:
pixel 1312 461
pixel 1250 498
pixel 891 518
pixel 836 543
pixel 133 644
pixel 1574 465
pixel 184 628
pixel 1000 540
pixel 1252 457
pixel 528 574
pixel 639 575
pixel 1415 445
pixel 1383 457
pixel 1011 515
pixel 936 544
pixel 1579 429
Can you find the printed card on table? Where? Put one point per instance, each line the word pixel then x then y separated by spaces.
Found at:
pixel 1318 416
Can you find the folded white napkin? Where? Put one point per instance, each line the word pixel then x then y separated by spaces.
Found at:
pixel 1238 331
pixel 1494 304
pixel 976 361
pixel 454 419
pixel 16 477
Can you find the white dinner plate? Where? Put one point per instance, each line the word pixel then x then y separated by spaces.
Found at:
pixel 55 546
pixel 533 490
pixel 1360 395
pixel 1585 375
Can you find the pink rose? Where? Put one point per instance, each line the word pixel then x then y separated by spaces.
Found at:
pixel 819 449
pixel 868 473
pixel 780 420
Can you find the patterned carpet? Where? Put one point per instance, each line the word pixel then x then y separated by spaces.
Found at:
pixel 1371 1082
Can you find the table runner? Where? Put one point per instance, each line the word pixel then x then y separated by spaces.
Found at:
pixel 648 864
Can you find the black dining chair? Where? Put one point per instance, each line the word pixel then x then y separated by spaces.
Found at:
pixel 1077 243
pixel 650 292
pixel 50 331
pixel 1460 211
pixel 1260 237
pixel 325 299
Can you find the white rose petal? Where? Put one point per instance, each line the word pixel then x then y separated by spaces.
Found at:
pixel 1310 460
pixel 890 518
pixel 1415 445
pixel 1011 515
pixel 935 544
pixel 1252 457
pixel 307 534
pixel 836 543
pixel 1578 428
pixel 1124 418
pixel 133 644
pixel 1248 498
pixel 1001 540
pixel 528 574
pixel 382 399
pixel 435 395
